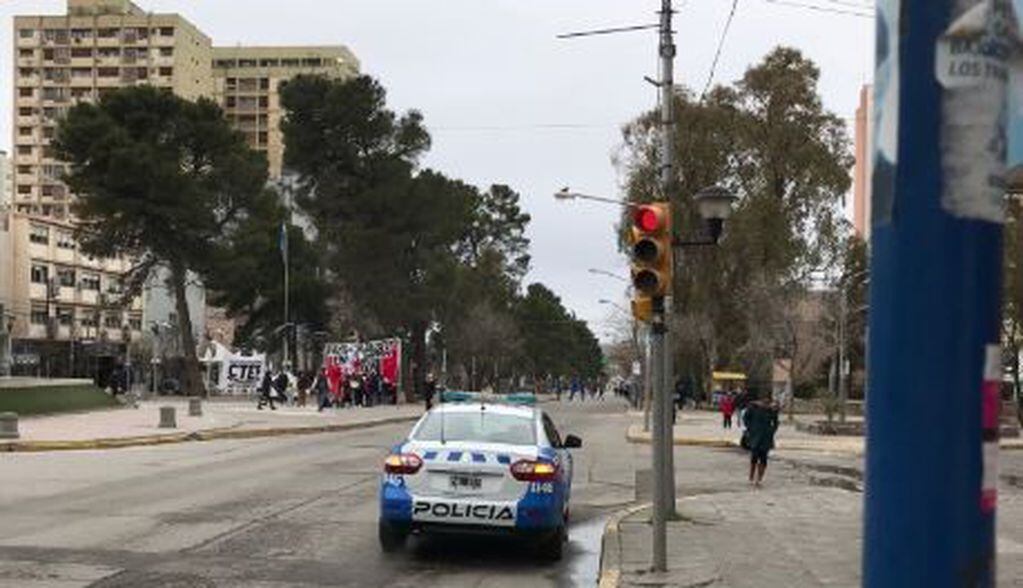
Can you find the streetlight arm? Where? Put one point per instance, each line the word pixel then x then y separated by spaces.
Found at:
pixel 566 194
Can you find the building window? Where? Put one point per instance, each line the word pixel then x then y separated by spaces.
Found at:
pixel 65 316
pixel 107 33
pixel 24 188
pixel 112 321
pixel 66 277
pixel 79 34
pixel 25 92
pixel 113 285
pixel 24 169
pixel 88 320
pixel 269 62
pixel 27 71
pixel 166 51
pixel 166 71
pixel 107 72
pixel 65 240
pixel 26 33
pixel 264 102
pixel 312 62
pixel 290 62
pixel 26 111
pixel 40 274
pixel 80 53
pixel 231 101
pixel 39 316
pixel 166 31
pixel 225 63
pixel 135 323
pixel 247 63
pixel 262 138
pixel 25 131
pixel 24 150
pixel 26 53
pixel 81 72
pixel 105 52
pixel 90 282
pixel 39 234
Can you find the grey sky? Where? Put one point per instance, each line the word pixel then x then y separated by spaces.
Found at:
pixel 491 80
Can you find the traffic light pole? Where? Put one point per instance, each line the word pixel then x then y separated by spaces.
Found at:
pixel 663 442
pixel 660 447
pixel 934 354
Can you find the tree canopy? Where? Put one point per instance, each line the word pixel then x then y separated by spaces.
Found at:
pixel 767 138
pixel 162 181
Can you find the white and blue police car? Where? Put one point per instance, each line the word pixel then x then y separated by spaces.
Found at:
pixel 474 466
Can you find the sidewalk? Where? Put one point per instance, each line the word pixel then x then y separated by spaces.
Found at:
pixel 764 539
pixel 121 427
pixel 703 428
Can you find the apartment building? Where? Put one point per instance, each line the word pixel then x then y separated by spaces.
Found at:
pixel 6 180
pixel 247 82
pixel 60 298
pixel 67 316
pixel 862 172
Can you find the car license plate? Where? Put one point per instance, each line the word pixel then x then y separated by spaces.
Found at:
pixel 464 482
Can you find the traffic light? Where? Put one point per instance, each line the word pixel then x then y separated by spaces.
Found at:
pixel 651 239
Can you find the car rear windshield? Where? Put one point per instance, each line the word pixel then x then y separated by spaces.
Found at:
pixel 477 426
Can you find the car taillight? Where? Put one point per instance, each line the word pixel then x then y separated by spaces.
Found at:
pixel 402 463
pixel 533 471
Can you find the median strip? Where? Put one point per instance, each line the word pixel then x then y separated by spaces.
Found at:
pixel 205 435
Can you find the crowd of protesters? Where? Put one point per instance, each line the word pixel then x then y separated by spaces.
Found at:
pixel 327 388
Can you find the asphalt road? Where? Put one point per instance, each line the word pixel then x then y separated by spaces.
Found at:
pixel 277 512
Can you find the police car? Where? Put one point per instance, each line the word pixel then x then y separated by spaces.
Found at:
pixel 475 466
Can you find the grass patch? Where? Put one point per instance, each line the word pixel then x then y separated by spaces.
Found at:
pixel 53 399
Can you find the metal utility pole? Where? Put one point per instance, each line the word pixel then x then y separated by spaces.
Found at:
pixel 663 443
pixel 843 392
pixel 934 353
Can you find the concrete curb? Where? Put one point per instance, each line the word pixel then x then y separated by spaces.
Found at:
pixel 205 435
pixel 644 438
pixel 610 548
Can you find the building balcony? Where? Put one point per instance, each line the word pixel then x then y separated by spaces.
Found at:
pixel 108 41
pixel 83 61
pixel 25 43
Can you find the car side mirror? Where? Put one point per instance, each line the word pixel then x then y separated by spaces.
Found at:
pixel 572 442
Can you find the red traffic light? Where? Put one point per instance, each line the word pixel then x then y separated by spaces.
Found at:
pixel 649 218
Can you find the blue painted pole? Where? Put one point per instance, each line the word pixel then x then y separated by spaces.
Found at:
pixel 939 135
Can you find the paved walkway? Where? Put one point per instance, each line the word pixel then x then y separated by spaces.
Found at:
pixel 239 416
pixel 703 428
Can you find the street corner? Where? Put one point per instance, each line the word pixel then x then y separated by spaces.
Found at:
pixel 611 546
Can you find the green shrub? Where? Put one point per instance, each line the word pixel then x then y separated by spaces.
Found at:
pixel 53 399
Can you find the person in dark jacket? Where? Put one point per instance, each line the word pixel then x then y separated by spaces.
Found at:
pixel 322 389
pixel 429 390
pixel 281 386
pixel 761 420
pixel 266 392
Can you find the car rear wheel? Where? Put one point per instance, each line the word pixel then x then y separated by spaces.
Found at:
pixel 553 546
pixel 391 538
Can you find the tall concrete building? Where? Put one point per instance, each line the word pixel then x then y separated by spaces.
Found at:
pixel 63 300
pixel 247 82
pixel 6 180
pixel 862 172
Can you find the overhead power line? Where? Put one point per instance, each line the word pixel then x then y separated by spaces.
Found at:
pixel 717 54
pixel 819 8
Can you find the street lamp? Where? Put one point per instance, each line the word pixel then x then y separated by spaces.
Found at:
pixel 715 206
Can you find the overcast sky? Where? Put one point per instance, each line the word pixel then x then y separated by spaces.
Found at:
pixel 507 102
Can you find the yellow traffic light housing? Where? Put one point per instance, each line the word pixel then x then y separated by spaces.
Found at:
pixel 651 254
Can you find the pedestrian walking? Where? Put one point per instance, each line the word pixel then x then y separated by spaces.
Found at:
pixel 305 382
pixel 321 387
pixel 761 420
pixel 280 386
pixel 429 390
pixel 727 409
pixel 266 392
pixel 576 387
